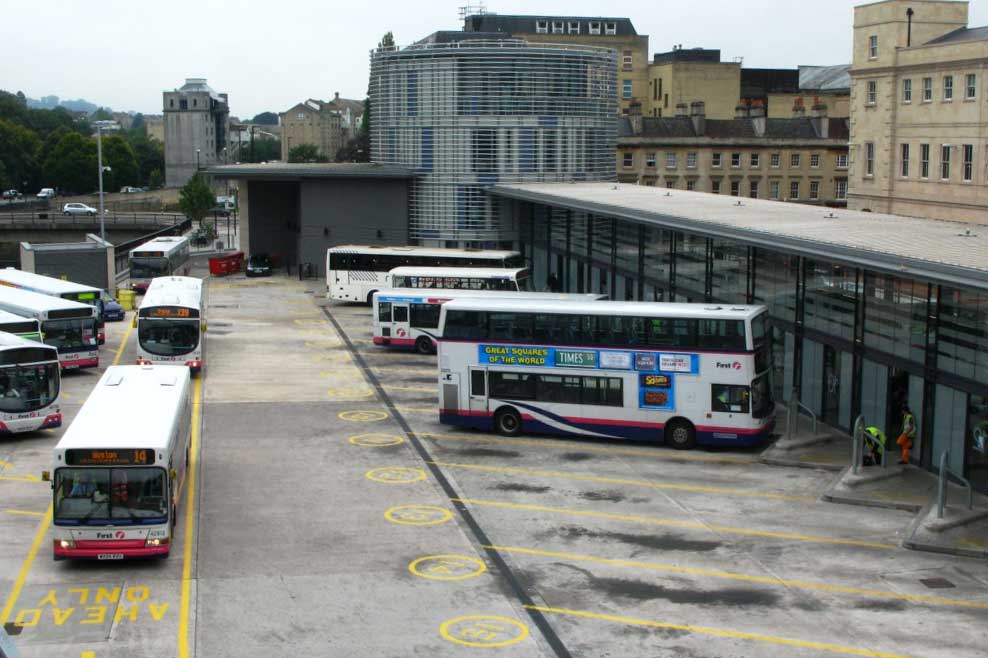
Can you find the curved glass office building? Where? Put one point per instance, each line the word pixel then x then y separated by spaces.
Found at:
pixel 467 111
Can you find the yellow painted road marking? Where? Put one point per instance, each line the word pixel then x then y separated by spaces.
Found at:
pixel 884 594
pixel 420 389
pixel 123 343
pixel 447 567
pixel 632 483
pixel 556 444
pixel 183 619
pixel 20 478
pixel 88 654
pixel 362 415
pixel 833 648
pixel 4 464
pixel 420 515
pixel 395 475
pixel 24 512
pixel 15 592
pixel 376 440
pixel 647 520
pixel 483 631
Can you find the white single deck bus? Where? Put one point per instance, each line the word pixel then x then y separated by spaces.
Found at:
pixel 170 322
pixel 68 326
pixel 410 318
pixel 682 373
pixel 29 385
pixel 159 257
pixel 28 328
pixel 461 278
pixel 46 285
pixel 354 272
pixel 119 467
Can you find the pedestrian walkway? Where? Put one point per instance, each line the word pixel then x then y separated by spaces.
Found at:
pixel 960 531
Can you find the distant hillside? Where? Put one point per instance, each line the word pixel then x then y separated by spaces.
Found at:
pixel 50 102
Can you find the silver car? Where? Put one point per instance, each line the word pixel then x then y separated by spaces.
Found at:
pixel 78 209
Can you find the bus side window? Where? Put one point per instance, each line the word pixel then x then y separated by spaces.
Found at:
pixel 384 312
pixel 478 383
pixel 400 313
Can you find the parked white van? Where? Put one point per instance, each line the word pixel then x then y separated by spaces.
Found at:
pixel 46 193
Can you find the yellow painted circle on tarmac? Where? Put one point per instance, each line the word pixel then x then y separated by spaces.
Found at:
pixel 418 515
pixel 395 475
pixel 375 440
pixel 350 392
pixel 447 567
pixel 483 631
pixel 362 415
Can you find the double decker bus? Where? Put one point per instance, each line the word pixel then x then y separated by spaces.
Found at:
pixel 462 278
pixel 68 326
pixel 170 322
pixel 162 256
pixel 685 374
pixel 29 385
pixel 119 467
pixel 28 328
pixel 46 285
pixel 354 272
pixel 410 318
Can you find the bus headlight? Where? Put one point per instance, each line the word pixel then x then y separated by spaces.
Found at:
pixel 154 543
pixel 66 543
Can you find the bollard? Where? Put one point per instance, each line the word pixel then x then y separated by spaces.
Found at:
pixel 942 484
pixel 857 444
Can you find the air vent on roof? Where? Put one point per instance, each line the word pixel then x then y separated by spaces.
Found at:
pixel 167 378
pixel 967 234
pixel 739 203
pixel 713 308
pixel 114 379
pixel 830 215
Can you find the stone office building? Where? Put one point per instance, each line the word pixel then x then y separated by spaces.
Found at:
pixel 196 124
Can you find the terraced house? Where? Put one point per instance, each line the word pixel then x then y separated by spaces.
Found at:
pixel 801 158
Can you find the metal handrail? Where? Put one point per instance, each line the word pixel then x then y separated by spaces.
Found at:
pixel 942 478
pixel 810 412
pixel 857 444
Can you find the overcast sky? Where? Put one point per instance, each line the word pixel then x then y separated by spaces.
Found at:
pixel 269 55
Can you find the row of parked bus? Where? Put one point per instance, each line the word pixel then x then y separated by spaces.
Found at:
pixel 116 490
pixel 570 364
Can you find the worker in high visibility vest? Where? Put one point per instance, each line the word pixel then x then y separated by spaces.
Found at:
pixel 874 446
pixel 908 435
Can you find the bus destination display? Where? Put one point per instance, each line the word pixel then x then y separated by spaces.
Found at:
pixel 108 457
pixel 179 312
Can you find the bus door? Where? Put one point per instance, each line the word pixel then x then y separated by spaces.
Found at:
pixel 478 389
pixel 400 328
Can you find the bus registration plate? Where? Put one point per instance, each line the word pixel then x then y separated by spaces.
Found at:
pixel 110 556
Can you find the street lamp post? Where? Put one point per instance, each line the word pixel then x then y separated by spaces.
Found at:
pixel 99 157
pixel 197 161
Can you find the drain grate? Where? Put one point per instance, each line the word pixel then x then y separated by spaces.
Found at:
pixel 224 306
pixel 937 583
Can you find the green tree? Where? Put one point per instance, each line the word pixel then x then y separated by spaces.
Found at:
pixel 263 150
pixel 196 198
pixel 156 180
pixel 150 155
pixel 387 41
pixel 306 153
pixel 20 149
pixel 13 108
pixel 119 157
pixel 101 114
pixel 355 150
pixel 71 164
pixel 266 119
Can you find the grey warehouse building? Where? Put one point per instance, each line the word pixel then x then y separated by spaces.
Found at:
pixel 295 212
pixel 868 311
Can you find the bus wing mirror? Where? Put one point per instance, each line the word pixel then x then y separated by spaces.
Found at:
pixel 45 476
pixel 173 473
pixel 133 323
pixel 203 326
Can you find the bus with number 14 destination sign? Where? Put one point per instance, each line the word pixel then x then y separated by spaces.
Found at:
pixel 683 374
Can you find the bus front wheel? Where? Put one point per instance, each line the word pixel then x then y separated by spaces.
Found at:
pixel 680 434
pixel 507 422
pixel 423 345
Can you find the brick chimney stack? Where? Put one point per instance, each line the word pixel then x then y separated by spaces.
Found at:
pixel 818 117
pixel 798 109
pixel 698 115
pixel 682 110
pixel 741 111
pixel 635 116
pixel 757 114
